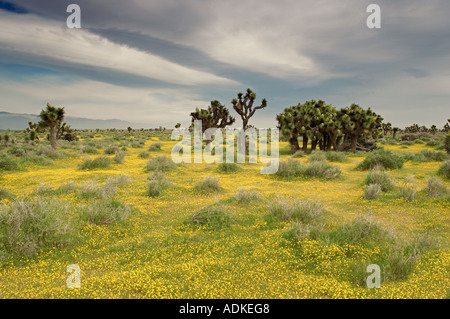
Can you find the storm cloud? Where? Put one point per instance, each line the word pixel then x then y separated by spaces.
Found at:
pixel 155 61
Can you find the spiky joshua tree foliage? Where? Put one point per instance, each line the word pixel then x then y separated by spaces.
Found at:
pixel 243 106
pixel 52 118
pixel 327 127
pixel 215 116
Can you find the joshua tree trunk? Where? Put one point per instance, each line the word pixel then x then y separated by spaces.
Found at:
pixel 53 131
pixel 354 142
pixel 294 144
pixel 328 143
pixel 244 123
pixel 208 145
pixel 313 145
pixel 305 143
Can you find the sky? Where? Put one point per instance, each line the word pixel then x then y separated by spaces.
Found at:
pixel 154 61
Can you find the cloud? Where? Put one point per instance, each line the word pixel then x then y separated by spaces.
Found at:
pixel 98 100
pixel 286 51
pixel 40 37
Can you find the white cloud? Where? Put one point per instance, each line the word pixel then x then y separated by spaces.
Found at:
pixel 97 100
pixel 46 38
pixel 295 45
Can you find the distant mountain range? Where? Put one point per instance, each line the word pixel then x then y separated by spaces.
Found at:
pixel 19 121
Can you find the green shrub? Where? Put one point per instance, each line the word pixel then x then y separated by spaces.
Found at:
pixel 319 169
pixel 5 194
pixel 396 262
pixel 209 184
pixel 435 187
pixel 111 150
pixel 360 230
pixel 419 141
pixel 298 231
pixel 155 146
pixel 408 188
pixel 433 143
pixel 160 163
pixel 372 191
pixel 416 157
pixel 120 180
pixel 426 155
pixel 8 163
pixel 29 225
pixel 89 190
pixel 89 150
pixel 290 168
pixel 322 169
pixel 158 182
pixel 68 187
pixel 444 169
pixel 380 177
pixel 243 195
pixel 119 158
pixel 384 158
pixel 98 162
pixel 37 160
pixel 227 167
pixel 305 211
pixel 136 145
pixel 336 157
pixel 50 152
pixel 399 263
pixel 16 151
pixel 298 154
pixel 317 156
pixel 144 154
pixel 105 211
pixel 215 217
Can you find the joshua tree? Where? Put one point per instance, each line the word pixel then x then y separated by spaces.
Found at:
pixel 325 126
pixel 387 127
pixel 313 120
pixel 52 118
pixel 433 129
pixel 447 126
pixel 447 143
pixel 65 132
pixel 243 105
pixel 33 135
pixel 287 125
pixel 177 125
pixel 394 132
pixel 215 116
pixel 129 129
pixel 358 123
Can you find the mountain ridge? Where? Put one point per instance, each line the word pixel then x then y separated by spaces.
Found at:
pixel 19 121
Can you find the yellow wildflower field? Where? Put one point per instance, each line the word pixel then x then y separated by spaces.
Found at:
pixel 155 253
